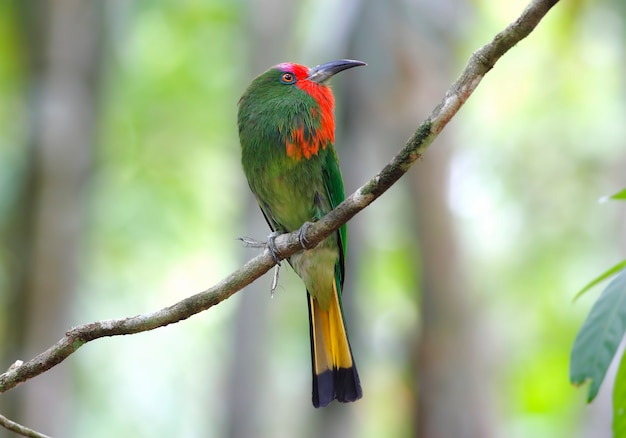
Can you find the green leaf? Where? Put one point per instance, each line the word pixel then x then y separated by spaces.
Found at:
pixel 621 195
pixel 598 338
pixel 612 271
pixel 619 400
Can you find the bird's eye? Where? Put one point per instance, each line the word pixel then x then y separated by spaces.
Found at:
pixel 288 78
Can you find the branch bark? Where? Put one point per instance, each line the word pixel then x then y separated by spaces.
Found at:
pixel 478 65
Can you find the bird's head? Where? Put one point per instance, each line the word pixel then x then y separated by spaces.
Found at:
pixel 295 102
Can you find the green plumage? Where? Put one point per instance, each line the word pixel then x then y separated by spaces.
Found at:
pixel 286 130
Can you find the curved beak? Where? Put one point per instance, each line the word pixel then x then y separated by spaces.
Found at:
pixel 321 73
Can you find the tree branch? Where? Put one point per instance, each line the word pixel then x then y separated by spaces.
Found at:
pixel 19 429
pixel 478 65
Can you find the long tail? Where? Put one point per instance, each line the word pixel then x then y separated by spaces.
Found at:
pixel 334 372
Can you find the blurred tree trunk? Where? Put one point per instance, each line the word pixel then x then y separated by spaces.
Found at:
pixel 410 53
pixel 61 42
pixel 453 390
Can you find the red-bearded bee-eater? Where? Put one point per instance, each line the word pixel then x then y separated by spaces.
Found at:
pixel 287 130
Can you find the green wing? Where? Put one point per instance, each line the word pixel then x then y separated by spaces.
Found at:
pixel 333 183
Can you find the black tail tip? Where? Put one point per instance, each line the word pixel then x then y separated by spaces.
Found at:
pixel 341 384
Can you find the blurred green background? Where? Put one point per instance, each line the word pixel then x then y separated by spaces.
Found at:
pixel 121 192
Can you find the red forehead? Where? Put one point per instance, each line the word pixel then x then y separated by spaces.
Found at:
pixel 301 71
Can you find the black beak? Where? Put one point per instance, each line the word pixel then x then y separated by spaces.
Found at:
pixel 323 72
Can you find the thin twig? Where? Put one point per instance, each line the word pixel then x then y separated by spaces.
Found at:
pixel 19 429
pixel 478 65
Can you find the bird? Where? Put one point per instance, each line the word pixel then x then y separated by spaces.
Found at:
pixel 287 131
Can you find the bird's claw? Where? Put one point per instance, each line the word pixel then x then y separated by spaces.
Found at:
pixel 271 246
pixel 304 242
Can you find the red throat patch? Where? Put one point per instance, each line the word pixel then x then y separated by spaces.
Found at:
pixel 301 145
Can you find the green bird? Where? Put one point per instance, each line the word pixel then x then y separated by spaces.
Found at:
pixel 287 130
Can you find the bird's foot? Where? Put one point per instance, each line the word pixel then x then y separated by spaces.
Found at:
pixel 271 246
pixel 304 242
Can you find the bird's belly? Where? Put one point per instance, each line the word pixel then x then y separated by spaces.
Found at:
pixel 291 204
pixel 316 267
pixel 292 198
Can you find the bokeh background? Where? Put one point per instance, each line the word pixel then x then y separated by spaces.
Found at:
pixel 121 192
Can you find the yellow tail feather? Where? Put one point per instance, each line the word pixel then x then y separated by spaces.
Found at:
pixel 330 341
pixel 334 375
